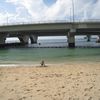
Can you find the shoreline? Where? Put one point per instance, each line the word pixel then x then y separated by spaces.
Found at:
pixel 48 64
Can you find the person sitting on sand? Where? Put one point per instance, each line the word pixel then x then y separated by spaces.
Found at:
pixel 42 63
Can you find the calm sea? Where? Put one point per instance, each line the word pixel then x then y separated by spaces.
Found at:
pixel 52 51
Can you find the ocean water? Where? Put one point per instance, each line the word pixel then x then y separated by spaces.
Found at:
pixel 52 51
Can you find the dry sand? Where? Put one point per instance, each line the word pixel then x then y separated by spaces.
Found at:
pixel 55 82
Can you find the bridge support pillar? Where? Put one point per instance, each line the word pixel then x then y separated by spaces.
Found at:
pixel 98 39
pixel 33 39
pixel 2 38
pixel 24 39
pixel 71 38
pixel 88 38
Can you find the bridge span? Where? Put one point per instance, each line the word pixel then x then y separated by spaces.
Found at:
pixel 31 31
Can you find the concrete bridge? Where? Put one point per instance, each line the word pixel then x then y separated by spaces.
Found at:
pixel 31 31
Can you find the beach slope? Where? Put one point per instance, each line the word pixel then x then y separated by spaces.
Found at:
pixel 55 82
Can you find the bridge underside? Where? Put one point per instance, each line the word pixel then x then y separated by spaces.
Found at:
pixel 24 39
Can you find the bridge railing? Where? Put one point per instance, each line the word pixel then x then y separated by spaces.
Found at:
pixel 50 21
pixel 34 22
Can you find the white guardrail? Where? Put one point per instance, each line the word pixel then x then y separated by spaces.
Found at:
pixel 50 21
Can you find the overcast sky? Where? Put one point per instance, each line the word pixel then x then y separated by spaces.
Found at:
pixel 43 10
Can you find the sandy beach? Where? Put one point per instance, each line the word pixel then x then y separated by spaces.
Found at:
pixel 55 82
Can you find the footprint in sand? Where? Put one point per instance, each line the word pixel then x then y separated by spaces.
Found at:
pixel 43 90
pixel 88 89
pixel 86 94
pixel 90 98
pixel 27 89
pixel 31 77
pixel 80 73
pixel 12 90
pixel 63 87
pixel 38 90
pixel 16 79
pixel 70 74
pixel 99 89
pixel 87 74
pixel 10 99
pixel 59 94
pixel 35 84
pixel 55 95
pixel 22 98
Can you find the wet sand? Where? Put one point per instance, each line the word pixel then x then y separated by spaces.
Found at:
pixel 55 82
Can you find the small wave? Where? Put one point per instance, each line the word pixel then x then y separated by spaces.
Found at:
pixel 8 65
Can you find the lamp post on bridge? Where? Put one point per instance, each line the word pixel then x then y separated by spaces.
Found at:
pixel 7 19
pixel 73 11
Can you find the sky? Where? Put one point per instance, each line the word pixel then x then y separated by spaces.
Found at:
pixel 15 11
